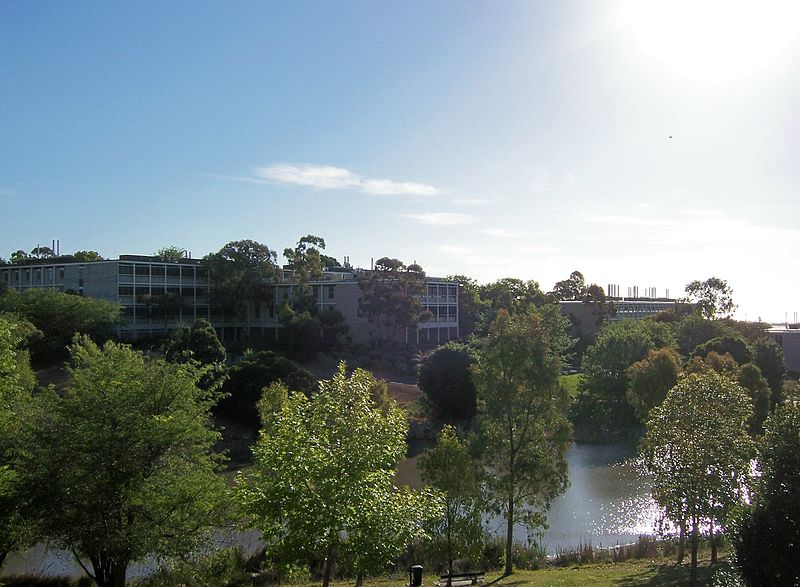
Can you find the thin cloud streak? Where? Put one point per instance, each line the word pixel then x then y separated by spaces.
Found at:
pixel 328 177
pixel 441 218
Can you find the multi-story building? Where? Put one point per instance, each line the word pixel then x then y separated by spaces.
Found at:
pixel 590 318
pixel 139 284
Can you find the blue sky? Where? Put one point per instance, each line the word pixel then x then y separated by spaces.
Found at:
pixel 493 139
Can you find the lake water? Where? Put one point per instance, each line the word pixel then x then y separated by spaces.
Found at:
pixel 607 503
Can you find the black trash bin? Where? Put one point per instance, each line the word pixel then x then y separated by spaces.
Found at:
pixel 415 576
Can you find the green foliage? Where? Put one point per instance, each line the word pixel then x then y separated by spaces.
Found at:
pixel 390 298
pixel 14 400
pixel 199 343
pixel 171 254
pixel 603 389
pixel 573 288
pixel 750 378
pixel 87 256
pixel 59 316
pixel 239 275
pixel 714 297
pixel 511 295
pixel 651 379
pixel 767 541
pixel 305 259
pixel 698 452
pixel 768 355
pixel 126 455
pixel 225 567
pixel 446 381
pixel 693 330
pixel 736 347
pixel 471 308
pixel 323 477
pixel 523 428
pixel 246 381
pixel 449 468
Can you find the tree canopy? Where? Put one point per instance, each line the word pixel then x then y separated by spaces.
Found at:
pixel 446 380
pixel 323 476
pixel 522 424
pixel 126 453
pixel 714 297
pixel 698 451
pixel 390 298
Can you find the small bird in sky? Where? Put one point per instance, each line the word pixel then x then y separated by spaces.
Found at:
pixel 670 136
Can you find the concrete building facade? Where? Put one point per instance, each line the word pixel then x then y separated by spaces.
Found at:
pixel 136 282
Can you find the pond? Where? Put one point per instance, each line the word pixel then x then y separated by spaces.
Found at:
pixel 607 503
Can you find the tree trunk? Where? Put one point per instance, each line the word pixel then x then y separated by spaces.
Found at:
pixel 3 555
pixel 510 536
pixel 695 538
pixel 107 572
pixel 359 579
pixel 712 538
pixel 326 577
pixel 681 542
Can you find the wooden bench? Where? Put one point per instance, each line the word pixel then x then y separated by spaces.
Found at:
pixel 460 579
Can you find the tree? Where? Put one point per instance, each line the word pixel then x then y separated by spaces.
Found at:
pixel 87 256
pixel 735 346
pixel 390 298
pixel 449 468
pixel 750 378
pixel 767 541
pixel 651 379
pixel 41 252
pixel 714 297
pixel 171 254
pixel 768 355
pixel 59 316
pixel 603 389
pixel 693 330
pixel 246 380
pixel 471 308
pixel 20 257
pixel 199 343
pixel 698 452
pixel 15 390
pixel 126 453
pixel 445 379
pixel 240 274
pixel 323 476
pixel 573 288
pixel 305 259
pixel 523 426
pixel 513 295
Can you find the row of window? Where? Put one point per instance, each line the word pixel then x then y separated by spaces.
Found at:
pixel 38 274
pixel 142 290
pixel 162 270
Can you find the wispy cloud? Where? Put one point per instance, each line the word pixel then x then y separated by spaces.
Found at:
pixel 441 218
pixel 505 234
pixel 470 201
pixel 625 220
pixel 328 177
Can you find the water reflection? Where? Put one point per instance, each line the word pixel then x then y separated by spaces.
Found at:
pixel 607 503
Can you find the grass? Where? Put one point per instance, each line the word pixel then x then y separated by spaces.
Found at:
pixel 571 383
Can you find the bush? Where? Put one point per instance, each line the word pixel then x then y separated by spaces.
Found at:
pixel 446 381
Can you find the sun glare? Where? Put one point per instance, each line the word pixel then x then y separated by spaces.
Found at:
pixel 714 40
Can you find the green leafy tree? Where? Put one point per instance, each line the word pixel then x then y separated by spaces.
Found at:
pixel 735 346
pixel 15 388
pixel 714 297
pixel 750 378
pixel 305 259
pixel 171 254
pixel 572 288
pixel 603 389
pixel 126 454
pixel 698 452
pixel 20 257
pixel 199 343
pixel 767 541
pixel 651 379
pixel 87 256
pixel 240 275
pixel 59 316
pixel 41 252
pixel 768 355
pixel 390 298
pixel 323 476
pixel 471 308
pixel 523 426
pixel 449 468
pixel 693 330
pixel 445 379
pixel 512 295
pixel 246 380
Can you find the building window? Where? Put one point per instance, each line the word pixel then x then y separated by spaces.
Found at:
pixel 125 270
pixel 331 291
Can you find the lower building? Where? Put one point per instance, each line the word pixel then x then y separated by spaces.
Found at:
pixel 789 340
